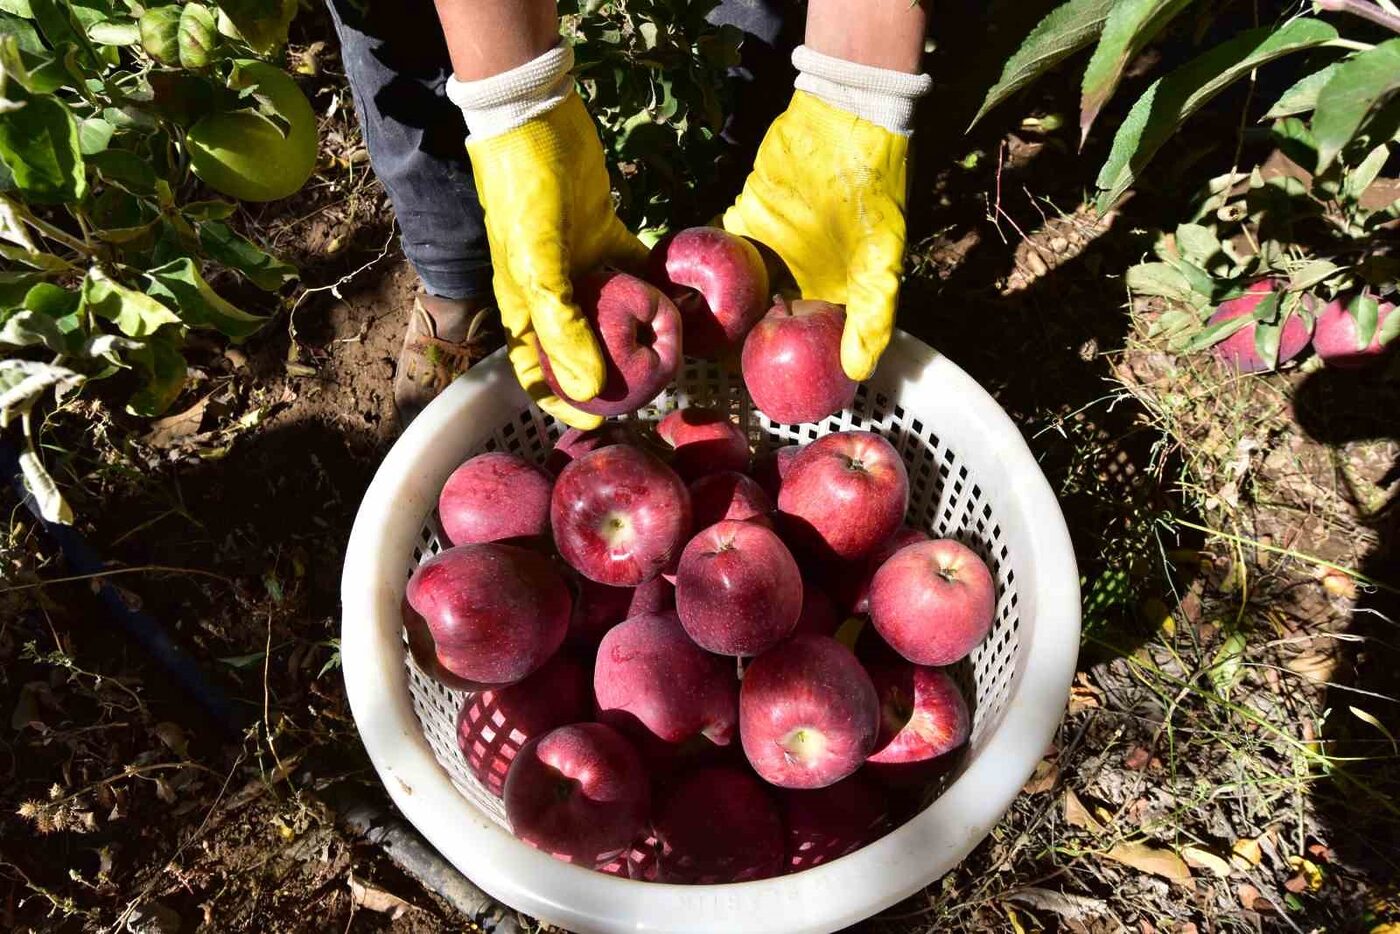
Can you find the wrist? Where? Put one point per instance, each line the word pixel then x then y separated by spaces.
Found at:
pixel 881 96
pixel 495 105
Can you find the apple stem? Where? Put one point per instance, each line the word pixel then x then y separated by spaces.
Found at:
pixel 780 301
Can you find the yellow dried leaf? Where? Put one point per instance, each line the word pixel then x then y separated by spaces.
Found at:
pixel 1246 853
pixel 1390 927
pixel 1014 918
pixel 1077 815
pixel 1315 666
pixel 1155 860
pixel 1308 870
pixel 1339 585
pixel 1043 778
pixel 1205 859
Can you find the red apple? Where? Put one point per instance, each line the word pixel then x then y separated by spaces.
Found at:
pixel 729 495
pixel 922 714
pixel 495 612
pixel 844 495
pixel 598 607
pixel 494 497
pixel 719 283
pixel 808 713
pixel 771 467
pixel 1337 339
pixel 575 443
pixel 792 362
pixel 827 823
pixel 854 584
pixel 933 602
pixel 579 793
pixel 738 590
pixel 662 690
pixel 718 825
pixel 493 725
pixel 1238 350
pixel 639 333
pixel 619 515
pixel 706 441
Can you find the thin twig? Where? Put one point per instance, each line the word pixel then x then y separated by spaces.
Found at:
pixel 145 568
pixel 334 287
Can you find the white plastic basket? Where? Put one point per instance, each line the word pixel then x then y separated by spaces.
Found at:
pixel 971 477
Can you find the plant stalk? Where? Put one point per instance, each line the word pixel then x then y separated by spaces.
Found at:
pixel 1364 9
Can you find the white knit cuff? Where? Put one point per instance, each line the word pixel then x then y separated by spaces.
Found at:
pixel 494 105
pixel 882 96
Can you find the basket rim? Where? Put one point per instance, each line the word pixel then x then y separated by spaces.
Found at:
pixel 823 898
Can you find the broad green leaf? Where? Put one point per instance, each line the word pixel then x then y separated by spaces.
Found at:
pixel 22 382
pixel 1212 334
pixel 160 34
pixel 1066 30
pixel 94 134
pixel 39 145
pixel 17 7
pixel 1312 273
pixel 1266 340
pixel 12 227
pixel 196 37
pixel 1197 243
pixel 264 270
pixel 1294 137
pixel 214 210
pixel 52 506
pixel 27 328
pixel 52 300
pixel 1131 25
pixel 1365 311
pixel 135 314
pixel 1302 97
pixel 1158 279
pixel 1390 327
pixel 112 32
pixel 180 283
pixel 59 24
pixel 125 168
pixel 1169 101
pixel 1358 88
pixel 34 259
pixel 1356 180
pixel 165 371
pixel 14 285
pixel 261 23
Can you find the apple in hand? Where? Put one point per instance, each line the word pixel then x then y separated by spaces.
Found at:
pixel 662 690
pixel 792 362
pixel 738 589
pixel 827 823
pixel 639 334
pixel 933 602
pixel 492 725
pixel 619 515
pixel 718 282
pixel 494 497
pixel 718 825
pixel 922 716
pixel 844 495
pixel 771 467
pixel 855 583
pixel 1337 338
pixel 579 792
pixel 577 442
pixel 598 607
pixel 494 613
pixel 729 495
pixel 808 713
pixel 705 441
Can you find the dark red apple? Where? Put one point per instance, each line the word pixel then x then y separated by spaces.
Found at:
pixel 639 334
pixel 808 713
pixel 729 495
pixel 854 584
pixel 579 793
pixel 719 283
pixel 1238 350
pixel 922 714
pixel 827 823
pixel 495 612
pixel 771 466
pixel 576 442
pixel 705 441
pixel 493 725
pixel 662 690
pixel 792 362
pixel 819 614
pixel 1337 338
pixel 844 495
pixel 494 497
pixel 718 825
pixel 619 515
pixel 738 590
pixel 933 602
pixel 598 607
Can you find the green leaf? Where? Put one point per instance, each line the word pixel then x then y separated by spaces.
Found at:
pixel 1197 243
pixel 1266 340
pixel 17 7
pixel 1066 30
pixel 214 210
pixel 27 328
pixel 1358 179
pixel 1365 311
pixel 94 134
pixel 117 33
pixel 14 285
pixel 1227 667
pixel 23 30
pixel 1302 97
pixel 39 145
pixel 52 300
pixel 1358 88
pixel 165 371
pixel 180 283
pixel 58 23
pixel 1169 101
pixel 1294 137
pixel 35 259
pixel 196 37
pixel 261 23
pixel 52 506
pixel 1212 334
pixel 1390 327
pixel 22 382
pixel 264 270
pixel 1131 25
pixel 126 169
pixel 1158 279
pixel 1312 273
pixel 160 34
pixel 135 314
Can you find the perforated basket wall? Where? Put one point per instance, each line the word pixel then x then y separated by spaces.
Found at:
pixel 945 500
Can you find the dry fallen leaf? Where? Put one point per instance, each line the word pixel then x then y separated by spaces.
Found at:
pixel 1338 584
pixel 1083 695
pixel 1077 815
pixel 370 896
pixel 1044 777
pixel 1246 853
pixel 1307 872
pixel 1205 859
pixel 1155 860
pixel 1315 666
pixel 171 429
pixel 1068 906
pixel 1249 896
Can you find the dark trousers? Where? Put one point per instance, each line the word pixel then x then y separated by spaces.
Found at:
pixel 397 64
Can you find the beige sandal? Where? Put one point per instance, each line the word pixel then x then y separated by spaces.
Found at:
pixel 441 341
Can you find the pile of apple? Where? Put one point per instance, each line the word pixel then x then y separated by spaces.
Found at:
pixel 689 664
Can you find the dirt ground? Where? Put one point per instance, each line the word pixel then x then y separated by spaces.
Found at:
pixel 1225 764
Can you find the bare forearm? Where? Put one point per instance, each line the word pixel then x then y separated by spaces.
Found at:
pixel 487 37
pixel 883 33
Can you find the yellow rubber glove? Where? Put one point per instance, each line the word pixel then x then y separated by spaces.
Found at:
pixel 549 217
pixel 827 195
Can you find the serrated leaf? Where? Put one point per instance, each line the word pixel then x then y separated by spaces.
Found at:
pixel 1312 273
pixel 1169 101
pixel 1358 88
pixel 1131 25
pixel 1197 243
pixel 1302 97
pixel 1365 312
pixel 39 145
pixel 135 314
pixel 263 269
pixel 52 506
pixel 180 283
pixel 1066 30
pixel 1158 279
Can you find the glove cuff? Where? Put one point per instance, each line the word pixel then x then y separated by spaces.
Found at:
pixel 879 95
pixel 495 105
